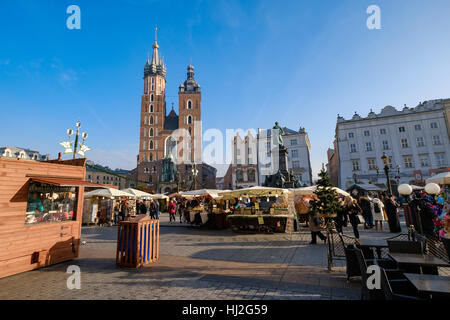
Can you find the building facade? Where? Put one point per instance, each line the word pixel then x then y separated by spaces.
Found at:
pixel 244 166
pixel 119 178
pixel 252 157
pixel 298 146
pixel 174 135
pixel 415 140
pixel 21 153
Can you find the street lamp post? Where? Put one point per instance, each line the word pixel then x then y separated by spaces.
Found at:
pixel 73 149
pixel 385 159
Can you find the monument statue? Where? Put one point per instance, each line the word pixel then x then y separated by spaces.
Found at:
pixel 169 170
pixel 280 133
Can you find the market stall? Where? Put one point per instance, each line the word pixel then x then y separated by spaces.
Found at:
pixel 302 196
pixel 99 205
pixel 204 207
pixel 41 213
pixel 261 209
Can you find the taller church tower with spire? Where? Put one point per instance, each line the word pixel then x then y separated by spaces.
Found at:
pixel 157 140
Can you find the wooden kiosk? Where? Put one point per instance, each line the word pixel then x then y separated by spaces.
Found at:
pixel 41 207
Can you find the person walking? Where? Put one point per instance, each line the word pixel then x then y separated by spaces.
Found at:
pixel 377 207
pixel 152 209
pixel 353 210
pixel 156 209
pixel 124 212
pixel 315 227
pixel 172 209
pixel 392 213
pixel 364 203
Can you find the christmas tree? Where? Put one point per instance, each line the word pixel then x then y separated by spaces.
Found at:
pixel 327 201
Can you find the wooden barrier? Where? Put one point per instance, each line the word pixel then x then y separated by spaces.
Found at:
pixel 137 242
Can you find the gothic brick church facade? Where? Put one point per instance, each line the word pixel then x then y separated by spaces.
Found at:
pixel 172 135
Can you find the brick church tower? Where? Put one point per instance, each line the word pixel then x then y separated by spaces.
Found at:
pixel 153 108
pixel 190 110
pixel 162 134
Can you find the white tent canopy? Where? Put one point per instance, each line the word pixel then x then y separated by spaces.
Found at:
pixel 211 192
pixel 441 178
pixel 306 191
pixel 158 196
pixel 108 192
pixel 137 193
pixel 255 191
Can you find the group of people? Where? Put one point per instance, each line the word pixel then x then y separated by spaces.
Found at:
pixel 372 212
pixel 150 207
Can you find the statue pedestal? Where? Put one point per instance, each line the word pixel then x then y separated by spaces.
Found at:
pixel 283 170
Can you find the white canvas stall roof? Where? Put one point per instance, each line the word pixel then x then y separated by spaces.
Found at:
pixel 137 193
pixel 158 196
pixel 441 178
pixel 306 191
pixel 256 191
pixel 193 193
pixel 109 193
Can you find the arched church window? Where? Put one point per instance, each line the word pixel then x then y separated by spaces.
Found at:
pixel 152 97
pixel 151 156
pixel 151 108
pixel 189 104
pixel 150 146
pixel 151 132
pixel 151 119
pixel 190 131
pixel 189 119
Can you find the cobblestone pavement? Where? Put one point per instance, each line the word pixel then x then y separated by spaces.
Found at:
pixel 196 264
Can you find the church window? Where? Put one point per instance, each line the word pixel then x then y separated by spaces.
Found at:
pixel 189 104
pixel 150 145
pixel 150 134
pixel 152 97
pixel 151 119
pixel 151 108
pixel 189 119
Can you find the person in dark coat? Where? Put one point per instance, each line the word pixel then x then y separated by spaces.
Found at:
pixel 392 212
pixel 142 208
pixel 364 203
pixel 426 218
pixel 353 210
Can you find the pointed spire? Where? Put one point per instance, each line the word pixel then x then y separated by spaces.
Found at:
pixel 155 57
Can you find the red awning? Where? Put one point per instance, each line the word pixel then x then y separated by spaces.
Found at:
pixel 66 182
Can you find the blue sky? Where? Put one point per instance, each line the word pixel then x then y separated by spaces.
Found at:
pixel 297 62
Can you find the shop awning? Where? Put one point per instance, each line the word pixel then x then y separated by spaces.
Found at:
pixel 66 182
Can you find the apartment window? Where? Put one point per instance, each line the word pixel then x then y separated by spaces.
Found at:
pixel 440 159
pixel 367 133
pixel 353 147
pixel 417 127
pixel 351 135
pixel 382 131
pixel 249 150
pixel 404 143
pixel 368 146
pixel 434 125
pixel 294 153
pixel 436 140
pixel 293 142
pixel 420 142
pixel 371 163
pixel 296 164
pixel 355 165
pixel 401 129
pixel 407 161
pixel 424 162
pixel 146 170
